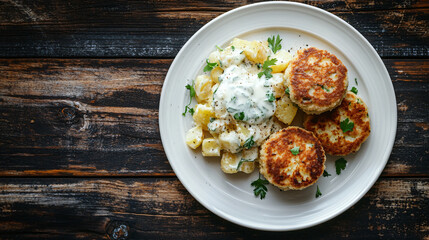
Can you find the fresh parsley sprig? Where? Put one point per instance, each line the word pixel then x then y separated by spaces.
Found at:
pixel 295 151
pixel 274 43
pixel 266 70
pixel 239 116
pixel 191 95
pixel 248 144
pixel 326 174
pixel 270 97
pixel 209 66
pixel 242 161
pixel 260 188
pixel 340 164
pixel 346 125
pixel 318 193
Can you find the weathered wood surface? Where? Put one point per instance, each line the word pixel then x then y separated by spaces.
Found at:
pixel 162 209
pixel 160 28
pixel 63 117
pixel 80 83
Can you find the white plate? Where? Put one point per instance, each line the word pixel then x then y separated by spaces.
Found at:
pixel 231 196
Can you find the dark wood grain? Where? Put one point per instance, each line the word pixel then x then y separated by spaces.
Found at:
pixel 159 29
pixel 162 209
pixel 87 117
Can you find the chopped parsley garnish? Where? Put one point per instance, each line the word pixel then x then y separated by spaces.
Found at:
pixel 271 97
pixel 260 188
pixel 354 90
pixel 295 151
pixel 242 161
pixel 318 193
pixel 218 48
pixel 239 116
pixel 209 66
pixel 340 164
pixel 266 70
pixel 248 144
pixel 326 89
pixel 356 81
pixel 191 94
pixel 326 174
pixel 212 119
pixel 287 91
pixel 233 48
pixel 346 125
pixel 274 43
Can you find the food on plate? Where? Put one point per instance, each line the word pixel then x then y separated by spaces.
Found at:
pixel 292 158
pixel 247 99
pixel 236 102
pixel 317 80
pixel 285 110
pixel 343 130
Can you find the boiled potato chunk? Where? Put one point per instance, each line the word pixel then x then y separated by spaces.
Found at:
pixel 202 115
pixel 230 141
pixel 283 59
pixel 230 161
pixel 211 148
pixel 277 82
pixel 255 51
pixel 203 88
pixel 215 73
pixel 194 137
pixel 285 110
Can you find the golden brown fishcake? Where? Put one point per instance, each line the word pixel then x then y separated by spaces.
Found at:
pixel 328 130
pixel 317 80
pixel 287 171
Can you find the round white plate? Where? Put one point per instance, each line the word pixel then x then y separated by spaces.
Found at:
pixel 231 196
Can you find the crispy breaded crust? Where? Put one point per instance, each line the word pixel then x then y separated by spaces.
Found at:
pixel 317 80
pixel 327 127
pixel 285 170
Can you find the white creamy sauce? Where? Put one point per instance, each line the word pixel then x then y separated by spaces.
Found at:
pixel 244 96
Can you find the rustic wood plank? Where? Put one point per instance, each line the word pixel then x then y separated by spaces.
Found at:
pixel 89 117
pixel 159 29
pixel 154 208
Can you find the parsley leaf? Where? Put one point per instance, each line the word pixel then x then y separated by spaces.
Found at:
pixel 191 94
pixel 356 81
pixel 239 116
pixel 212 119
pixel 218 48
pixel 347 125
pixel 340 164
pixel 209 66
pixel 287 91
pixel 326 174
pixel 271 97
pixel 260 188
pixel 354 90
pixel 326 89
pixel 318 193
pixel 248 144
pixel 233 48
pixel 295 151
pixel 274 43
pixel 242 161
pixel 266 70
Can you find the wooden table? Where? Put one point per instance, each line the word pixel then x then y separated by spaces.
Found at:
pixel 80 150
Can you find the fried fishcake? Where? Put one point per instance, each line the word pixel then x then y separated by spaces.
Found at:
pixel 317 80
pixel 292 158
pixel 327 126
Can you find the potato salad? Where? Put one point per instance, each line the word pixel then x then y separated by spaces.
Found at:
pixel 241 100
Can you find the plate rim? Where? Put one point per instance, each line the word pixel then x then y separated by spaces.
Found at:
pixel 347 206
